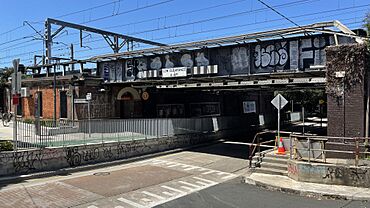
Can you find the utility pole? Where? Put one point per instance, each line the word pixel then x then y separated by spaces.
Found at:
pixel 72 67
pixel 48 42
pixel 55 93
pixel 16 83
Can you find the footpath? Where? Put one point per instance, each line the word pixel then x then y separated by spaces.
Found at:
pixel 321 191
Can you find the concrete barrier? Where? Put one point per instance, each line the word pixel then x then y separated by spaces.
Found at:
pixel 27 161
pixel 329 173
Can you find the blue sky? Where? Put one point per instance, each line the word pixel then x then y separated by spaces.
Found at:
pixel 166 21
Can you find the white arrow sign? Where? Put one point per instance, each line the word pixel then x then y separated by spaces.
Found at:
pixel 279 101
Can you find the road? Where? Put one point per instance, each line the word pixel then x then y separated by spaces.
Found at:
pixel 235 194
pixel 202 177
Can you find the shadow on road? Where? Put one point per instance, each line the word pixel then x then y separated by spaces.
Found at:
pixel 229 148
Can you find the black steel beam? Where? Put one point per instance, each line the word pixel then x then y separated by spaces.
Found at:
pixel 102 32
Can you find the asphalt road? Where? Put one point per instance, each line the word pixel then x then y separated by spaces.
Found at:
pixel 209 176
pixel 236 194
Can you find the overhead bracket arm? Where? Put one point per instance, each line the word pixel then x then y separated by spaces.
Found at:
pixel 114 44
pixel 57 31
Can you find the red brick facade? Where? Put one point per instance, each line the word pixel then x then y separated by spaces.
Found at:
pixel 346 111
pixel 47 103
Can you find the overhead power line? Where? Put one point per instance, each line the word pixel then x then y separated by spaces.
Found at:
pixel 244 31
pixel 141 21
pixel 29 60
pixel 109 16
pixel 238 25
pixel 129 11
pixel 279 13
pixel 224 28
pixel 209 19
pixel 64 15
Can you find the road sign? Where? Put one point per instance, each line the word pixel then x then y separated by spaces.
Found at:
pixel 89 96
pixel 81 101
pixel 15 99
pixel 145 95
pixel 16 82
pixel 279 101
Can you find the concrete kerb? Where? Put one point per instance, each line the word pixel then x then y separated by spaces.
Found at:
pixel 65 171
pixel 305 193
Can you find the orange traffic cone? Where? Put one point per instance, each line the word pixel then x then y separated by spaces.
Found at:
pixel 281 149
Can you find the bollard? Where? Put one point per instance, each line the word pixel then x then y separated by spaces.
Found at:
pixel 290 146
pixel 357 151
pixel 309 149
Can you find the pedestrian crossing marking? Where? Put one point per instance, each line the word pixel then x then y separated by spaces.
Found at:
pixel 153 195
pixel 129 202
pixel 172 189
pixel 206 180
pixel 189 184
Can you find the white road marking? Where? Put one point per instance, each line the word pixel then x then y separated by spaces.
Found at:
pixel 143 161
pixel 168 193
pixel 177 188
pixel 202 183
pixel 187 188
pixel 209 172
pixel 134 204
pixel 206 180
pixel 221 173
pixel 92 206
pixel 146 200
pixel 157 162
pixel 118 207
pixel 229 176
pixel 192 168
pixel 153 195
pixel 173 189
pixel 189 184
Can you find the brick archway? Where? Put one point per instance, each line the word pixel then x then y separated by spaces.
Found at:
pixel 128 90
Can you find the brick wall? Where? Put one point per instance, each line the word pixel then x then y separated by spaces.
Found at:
pixel 102 104
pixel 346 113
pixel 47 103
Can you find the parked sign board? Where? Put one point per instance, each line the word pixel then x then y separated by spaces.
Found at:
pixel 174 72
pixel 81 101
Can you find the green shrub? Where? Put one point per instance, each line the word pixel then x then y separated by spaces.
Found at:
pixel 29 121
pixel 6 146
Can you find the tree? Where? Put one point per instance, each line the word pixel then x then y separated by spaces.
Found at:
pixel 367 26
pixel 4 76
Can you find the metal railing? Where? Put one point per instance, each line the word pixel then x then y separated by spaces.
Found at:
pixel 311 148
pixel 314 148
pixel 259 141
pixel 47 133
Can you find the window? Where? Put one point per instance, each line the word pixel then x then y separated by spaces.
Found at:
pixel 38 104
pixel 63 104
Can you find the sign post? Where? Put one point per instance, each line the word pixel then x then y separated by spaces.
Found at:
pixel 16 87
pixel 279 102
pixel 88 98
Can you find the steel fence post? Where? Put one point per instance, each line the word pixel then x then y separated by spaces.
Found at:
pixel 357 151
pixel 309 149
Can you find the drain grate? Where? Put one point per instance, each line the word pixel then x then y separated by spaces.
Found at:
pixel 101 174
